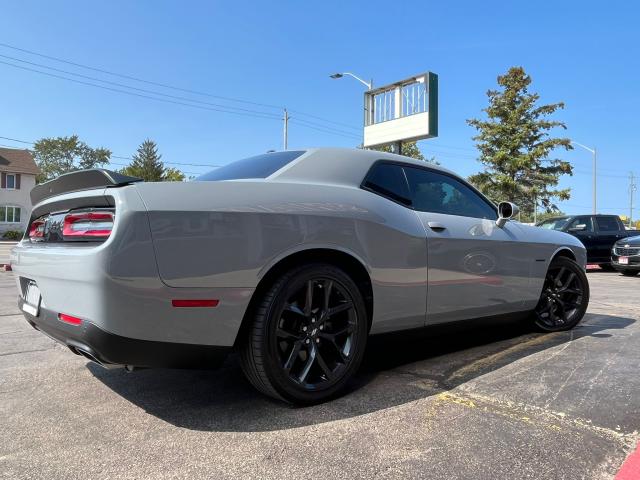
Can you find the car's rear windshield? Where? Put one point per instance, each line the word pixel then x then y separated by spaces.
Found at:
pixel 554 223
pixel 260 166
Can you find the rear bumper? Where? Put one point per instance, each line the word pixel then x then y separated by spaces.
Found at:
pixel 109 349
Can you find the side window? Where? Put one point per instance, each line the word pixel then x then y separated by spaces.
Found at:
pixel 389 181
pixel 607 224
pixel 439 193
pixel 586 221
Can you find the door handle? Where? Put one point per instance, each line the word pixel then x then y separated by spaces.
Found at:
pixel 436 226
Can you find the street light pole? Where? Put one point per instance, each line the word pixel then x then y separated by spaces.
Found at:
pixel 369 84
pixel 594 152
pixel 632 189
pixel 286 129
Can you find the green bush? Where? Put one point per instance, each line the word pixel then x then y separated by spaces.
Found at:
pixel 12 235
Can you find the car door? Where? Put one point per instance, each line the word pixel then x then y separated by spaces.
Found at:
pixel 608 228
pixel 582 228
pixel 475 268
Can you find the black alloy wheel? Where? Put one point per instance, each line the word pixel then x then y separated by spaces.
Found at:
pixel 309 335
pixel 564 298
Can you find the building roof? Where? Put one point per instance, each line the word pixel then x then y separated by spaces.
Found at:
pixel 17 161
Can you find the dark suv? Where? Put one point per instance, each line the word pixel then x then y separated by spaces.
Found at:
pixel 625 256
pixel 598 233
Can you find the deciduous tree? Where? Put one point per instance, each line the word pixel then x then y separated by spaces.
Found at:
pixel 59 155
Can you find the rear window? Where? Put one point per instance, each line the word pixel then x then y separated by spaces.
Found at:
pixel 608 224
pixel 260 166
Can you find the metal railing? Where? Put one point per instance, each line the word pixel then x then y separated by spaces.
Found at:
pixel 397 101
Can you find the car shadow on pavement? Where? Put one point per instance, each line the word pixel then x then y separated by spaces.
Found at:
pixel 397 369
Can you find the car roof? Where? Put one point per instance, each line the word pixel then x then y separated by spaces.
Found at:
pixel 345 166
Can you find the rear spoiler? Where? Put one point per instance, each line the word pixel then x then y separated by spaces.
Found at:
pixel 80 180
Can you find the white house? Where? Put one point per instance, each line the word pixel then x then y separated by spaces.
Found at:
pixel 18 173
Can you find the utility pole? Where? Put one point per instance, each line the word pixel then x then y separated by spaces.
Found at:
pixel 594 152
pixel 595 196
pixel 286 128
pixel 632 188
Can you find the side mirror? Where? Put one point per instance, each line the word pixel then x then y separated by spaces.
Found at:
pixel 506 210
pixel 578 228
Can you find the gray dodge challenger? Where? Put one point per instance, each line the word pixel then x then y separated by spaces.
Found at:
pixel 290 258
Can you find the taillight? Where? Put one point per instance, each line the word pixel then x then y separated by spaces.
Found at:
pixel 87 225
pixel 36 231
pixel 70 319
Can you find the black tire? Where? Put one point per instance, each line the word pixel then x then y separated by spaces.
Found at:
pixel 564 298
pixel 629 273
pixel 305 344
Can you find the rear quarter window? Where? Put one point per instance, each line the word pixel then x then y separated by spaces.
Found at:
pixel 388 180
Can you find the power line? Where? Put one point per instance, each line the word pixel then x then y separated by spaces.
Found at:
pixel 164 85
pixel 324 119
pixel 328 130
pixel 309 122
pixel 140 89
pixel 121 157
pixel 136 79
pixel 268 116
pixel 599 208
pixel 609 175
pixel 15 140
pixel 299 123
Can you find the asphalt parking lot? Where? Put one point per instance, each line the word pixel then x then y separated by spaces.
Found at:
pixel 490 400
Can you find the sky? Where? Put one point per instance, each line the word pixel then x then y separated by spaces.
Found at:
pixel 271 55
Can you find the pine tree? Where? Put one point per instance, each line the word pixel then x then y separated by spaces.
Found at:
pixel 515 144
pixel 146 163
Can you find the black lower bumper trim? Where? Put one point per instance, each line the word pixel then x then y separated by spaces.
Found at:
pixel 109 349
pixel 626 268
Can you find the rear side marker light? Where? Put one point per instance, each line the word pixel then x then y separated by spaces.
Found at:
pixel 87 225
pixel 195 303
pixel 71 320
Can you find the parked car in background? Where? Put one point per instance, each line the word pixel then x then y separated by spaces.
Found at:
pixel 625 256
pixel 291 258
pixel 598 233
